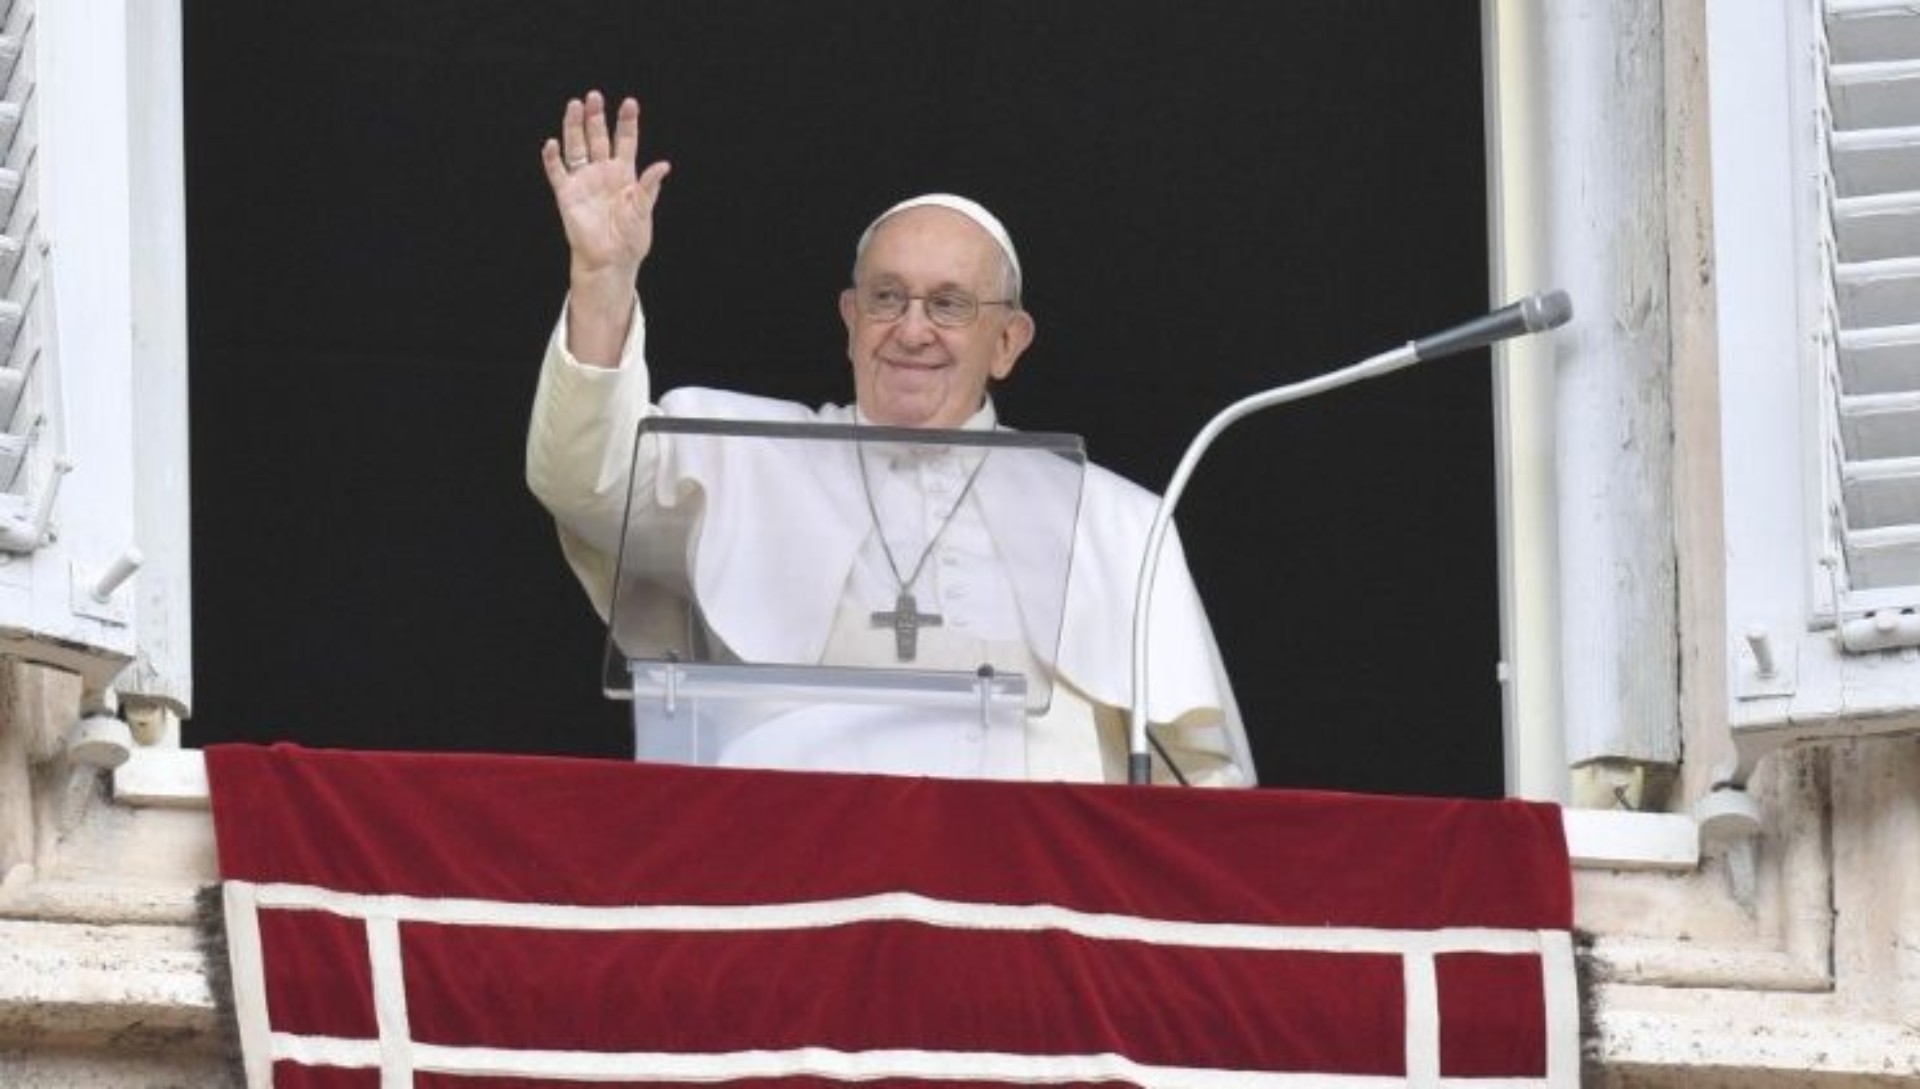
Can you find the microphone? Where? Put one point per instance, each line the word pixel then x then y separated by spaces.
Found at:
pixel 1541 310
pixel 1532 314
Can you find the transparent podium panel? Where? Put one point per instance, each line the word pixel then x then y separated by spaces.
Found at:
pixel 838 597
pixel 909 722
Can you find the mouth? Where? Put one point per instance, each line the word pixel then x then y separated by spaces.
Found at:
pixel 917 365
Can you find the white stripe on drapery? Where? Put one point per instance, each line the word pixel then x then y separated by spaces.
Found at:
pixel 1562 987
pixel 901 907
pixel 399 1057
pixel 247 967
pixel 1014 1069
pixel 390 1002
pixel 1423 1020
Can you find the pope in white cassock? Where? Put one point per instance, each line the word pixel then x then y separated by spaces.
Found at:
pixel 933 316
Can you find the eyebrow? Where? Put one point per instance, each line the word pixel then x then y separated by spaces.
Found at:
pixel 888 278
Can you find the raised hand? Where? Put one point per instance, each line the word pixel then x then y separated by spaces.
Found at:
pixel 606 209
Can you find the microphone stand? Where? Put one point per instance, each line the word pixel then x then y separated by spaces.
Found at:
pixel 1543 310
pixel 1139 760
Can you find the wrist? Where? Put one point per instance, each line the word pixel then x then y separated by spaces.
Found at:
pixel 598 322
pixel 601 281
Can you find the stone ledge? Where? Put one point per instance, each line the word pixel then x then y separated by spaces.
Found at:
pixel 1700 1038
pixel 93 902
pixel 83 1068
pixel 162 778
pixel 120 987
pixel 1608 840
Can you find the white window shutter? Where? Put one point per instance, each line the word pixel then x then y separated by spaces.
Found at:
pixel 93 504
pixel 1815 135
pixel 25 324
pixel 1869 415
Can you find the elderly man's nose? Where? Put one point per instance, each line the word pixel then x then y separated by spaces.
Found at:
pixel 914 325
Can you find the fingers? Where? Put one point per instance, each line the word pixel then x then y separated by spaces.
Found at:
pixel 650 180
pixel 585 139
pixel 573 134
pixel 598 145
pixel 550 159
pixel 626 132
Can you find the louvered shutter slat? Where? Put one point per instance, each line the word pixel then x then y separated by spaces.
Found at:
pixel 1883 360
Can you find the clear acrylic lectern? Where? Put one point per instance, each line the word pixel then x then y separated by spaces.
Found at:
pixel 838 597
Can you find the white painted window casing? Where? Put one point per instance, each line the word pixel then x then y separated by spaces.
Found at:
pixel 1815 453
pixel 93 466
pixel 1584 433
pixel 1815 129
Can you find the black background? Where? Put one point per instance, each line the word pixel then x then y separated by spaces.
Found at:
pixel 1209 199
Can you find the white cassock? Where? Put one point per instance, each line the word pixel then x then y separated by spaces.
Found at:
pixel 816 602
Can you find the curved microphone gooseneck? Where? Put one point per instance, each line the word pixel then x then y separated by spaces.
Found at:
pixel 1532 314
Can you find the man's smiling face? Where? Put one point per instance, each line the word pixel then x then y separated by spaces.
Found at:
pixel 910 371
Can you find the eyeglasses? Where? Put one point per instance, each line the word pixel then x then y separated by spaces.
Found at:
pixel 949 308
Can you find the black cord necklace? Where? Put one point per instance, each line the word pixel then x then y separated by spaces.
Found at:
pixel 905 618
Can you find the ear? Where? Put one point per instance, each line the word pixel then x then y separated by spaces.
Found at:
pixel 1015 337
pixel 849 311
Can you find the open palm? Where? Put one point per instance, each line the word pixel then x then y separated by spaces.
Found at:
pixel 606 208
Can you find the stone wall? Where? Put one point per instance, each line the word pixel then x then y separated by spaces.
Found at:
pixel 1810 977
pixel 102 978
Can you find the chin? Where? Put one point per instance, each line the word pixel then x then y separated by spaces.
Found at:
pixel 894 415
pixel 898 420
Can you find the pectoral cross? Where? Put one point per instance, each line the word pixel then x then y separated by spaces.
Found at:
pixel 906 620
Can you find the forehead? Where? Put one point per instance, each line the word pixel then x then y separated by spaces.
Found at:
pixel 933 245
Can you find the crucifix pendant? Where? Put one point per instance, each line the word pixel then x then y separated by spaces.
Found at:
pixel 906 620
